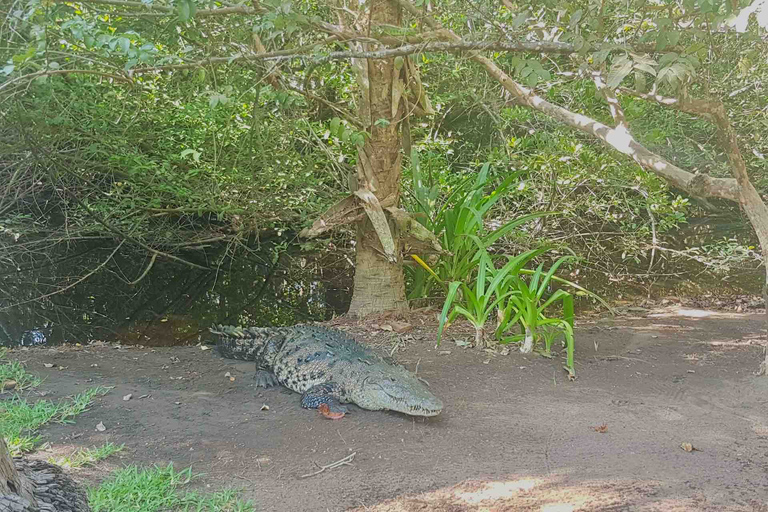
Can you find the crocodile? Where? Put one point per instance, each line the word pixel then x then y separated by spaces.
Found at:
pixel 328 367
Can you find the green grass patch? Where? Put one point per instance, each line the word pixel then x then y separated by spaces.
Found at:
pixel 20 419
pixel 13 375
pixel 133 489
pixel 87 457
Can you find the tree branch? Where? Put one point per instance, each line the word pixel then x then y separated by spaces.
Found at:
pixel 613 102
pixel 71 285
pixel 695 184
pixel 162 10
pixel 52 72
pixel 387 53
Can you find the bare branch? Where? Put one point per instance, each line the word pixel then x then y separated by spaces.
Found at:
pixel 387 53
pixel 52 72
pixel 71 285
pixel 613 102
pixel 160 9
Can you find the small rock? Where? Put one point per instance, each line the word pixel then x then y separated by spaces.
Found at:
pixel 444 352
pixel 8 385
pixel 265 407
pixel 401 327
pixel 205 347
pixel 228 374
pixel 143 396
pixel 688 447
pixel 127 397
pixel 100 427
pixel 48 365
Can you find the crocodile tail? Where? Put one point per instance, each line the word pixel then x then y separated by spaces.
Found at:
pixel 241 343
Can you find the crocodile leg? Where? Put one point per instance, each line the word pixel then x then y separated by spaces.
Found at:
pixel 265 379
pixel 325 398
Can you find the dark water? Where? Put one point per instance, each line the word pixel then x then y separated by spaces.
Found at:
pixel 271 284
pixel 274 284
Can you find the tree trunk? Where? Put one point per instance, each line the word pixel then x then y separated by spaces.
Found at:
pixel 379 284
pixel 11 482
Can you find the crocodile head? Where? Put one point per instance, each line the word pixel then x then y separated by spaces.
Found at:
pixel 396 389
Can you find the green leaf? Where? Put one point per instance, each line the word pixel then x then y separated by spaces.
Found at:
pixel 645 67
pixel 185 10
pixel 668 58
pixel 599 57
pixel 620 69
pixel 382 122
pixel 532 80
pixel 452 289
pixel 125 44
pixel 519 20
pixel 575 18
pixel 335 124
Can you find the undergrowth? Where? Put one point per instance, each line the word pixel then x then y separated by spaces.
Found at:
pixel 133 489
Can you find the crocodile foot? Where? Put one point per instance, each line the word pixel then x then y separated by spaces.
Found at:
pixel 324 398
pixel 325 411
pixel 265 379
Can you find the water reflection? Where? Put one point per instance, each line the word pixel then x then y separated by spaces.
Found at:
pixel 174 304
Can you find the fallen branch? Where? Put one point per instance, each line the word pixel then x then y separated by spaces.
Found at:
pixel 346 461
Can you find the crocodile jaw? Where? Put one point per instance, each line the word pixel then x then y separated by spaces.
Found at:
pixel 402 393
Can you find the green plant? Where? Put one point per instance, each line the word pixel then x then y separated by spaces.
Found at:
pixel 526 306
pixel 132 489
pixel 19 420
pixel 479 300
pixel 519 297
pixel 13 375
pixel 459 224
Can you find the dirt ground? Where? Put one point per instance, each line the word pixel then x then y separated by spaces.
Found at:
pixel 515 433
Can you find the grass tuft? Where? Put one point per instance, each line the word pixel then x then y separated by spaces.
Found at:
pixel 149 490
pixel 86 457
pixel 19 419
pixel 14 376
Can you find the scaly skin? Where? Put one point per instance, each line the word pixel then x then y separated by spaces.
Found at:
pixel 328 368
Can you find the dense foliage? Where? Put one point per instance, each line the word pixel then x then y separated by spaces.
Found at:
pixel 94 144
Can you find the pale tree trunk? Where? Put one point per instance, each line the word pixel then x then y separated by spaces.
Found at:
pixel 379 284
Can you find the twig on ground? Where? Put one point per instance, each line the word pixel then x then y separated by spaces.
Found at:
pixel 346 461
